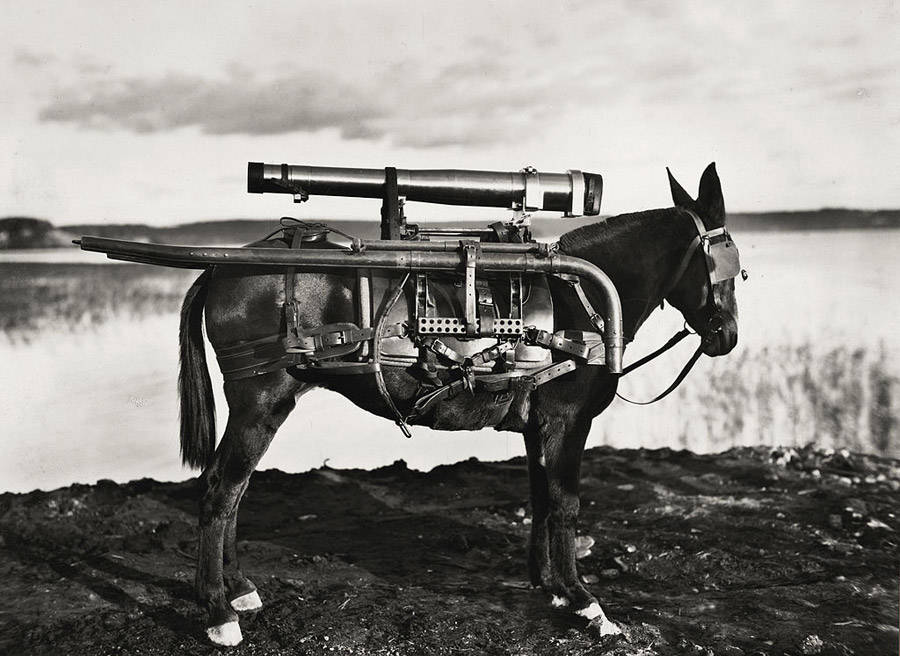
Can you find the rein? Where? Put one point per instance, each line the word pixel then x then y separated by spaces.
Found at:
pixel 677 337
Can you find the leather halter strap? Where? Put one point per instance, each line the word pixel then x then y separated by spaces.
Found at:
pixel 689 251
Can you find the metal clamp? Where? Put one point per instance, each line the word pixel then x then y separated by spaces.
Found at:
pixel 470 252
pixel 533 199
pixel 299 193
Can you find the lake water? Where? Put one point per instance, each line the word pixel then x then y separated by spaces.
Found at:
pixel 101 402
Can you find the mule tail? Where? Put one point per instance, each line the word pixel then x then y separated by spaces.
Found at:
pixel 198 405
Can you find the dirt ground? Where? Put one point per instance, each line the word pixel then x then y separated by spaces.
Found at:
pixel 745 552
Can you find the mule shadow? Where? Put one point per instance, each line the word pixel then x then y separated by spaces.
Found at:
pixel 84 568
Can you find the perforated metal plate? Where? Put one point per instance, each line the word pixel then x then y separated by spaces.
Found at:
pixel 456 326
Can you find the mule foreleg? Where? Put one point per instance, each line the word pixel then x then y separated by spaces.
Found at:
pixel 562 449
pixel 538 541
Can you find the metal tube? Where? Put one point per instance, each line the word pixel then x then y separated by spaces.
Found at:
pixel 394 259
pixel 451 246
pixel 574 192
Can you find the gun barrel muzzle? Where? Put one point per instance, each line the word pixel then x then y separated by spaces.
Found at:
pixel 575 193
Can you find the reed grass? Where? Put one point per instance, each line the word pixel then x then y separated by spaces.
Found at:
pixel 837 397
pixel 52 296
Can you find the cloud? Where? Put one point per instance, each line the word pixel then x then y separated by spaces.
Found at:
pixel 462 103
pixel 237 104
pixel 486 91
pixel 486 88
pixel 32 59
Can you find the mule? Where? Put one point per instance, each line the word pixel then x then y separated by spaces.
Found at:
pixel 642 253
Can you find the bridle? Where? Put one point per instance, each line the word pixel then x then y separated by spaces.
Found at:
pixel 722 261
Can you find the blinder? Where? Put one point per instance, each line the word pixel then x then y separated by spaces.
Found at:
pixel 723 261
pixel 720 253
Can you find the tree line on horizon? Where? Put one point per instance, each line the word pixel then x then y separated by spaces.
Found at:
pixel 18 232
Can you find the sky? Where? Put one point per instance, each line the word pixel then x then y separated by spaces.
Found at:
pixel 150 111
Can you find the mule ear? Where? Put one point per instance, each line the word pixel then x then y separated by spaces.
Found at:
pixel 680 197
pixel 709 199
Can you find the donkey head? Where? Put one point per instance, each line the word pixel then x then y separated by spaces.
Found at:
pixel 703 296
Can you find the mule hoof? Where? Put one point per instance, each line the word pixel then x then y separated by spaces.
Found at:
pixel 249 601
pixel 598 620
pixel 558 602
pixel 225 635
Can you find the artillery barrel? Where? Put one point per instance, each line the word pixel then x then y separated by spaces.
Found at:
pixel 574 192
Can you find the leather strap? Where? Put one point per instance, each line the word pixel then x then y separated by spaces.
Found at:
pixel 318 339
pixel 546 374
pixel 677 337
pixel 339 368
pixel 291 312
pixel 491 354
pixel 380 327
pixel 595 317
pixel 424 403
pixel 681 376
pixel 557 343
pixel 437 346
pixel 253 357
pixel 470 251
pixel 485 301
pixel 491 383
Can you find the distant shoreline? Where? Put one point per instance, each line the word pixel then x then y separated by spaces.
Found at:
pixel 17 233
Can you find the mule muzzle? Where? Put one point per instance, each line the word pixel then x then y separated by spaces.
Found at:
pixel 720 334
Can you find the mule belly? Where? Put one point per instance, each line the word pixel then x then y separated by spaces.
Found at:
pixel 464 411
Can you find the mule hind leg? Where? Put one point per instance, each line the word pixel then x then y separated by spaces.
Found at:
pixel 241 592
pixel 257 407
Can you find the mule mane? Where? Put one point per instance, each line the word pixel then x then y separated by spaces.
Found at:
pixel 614 232
pixel 638 251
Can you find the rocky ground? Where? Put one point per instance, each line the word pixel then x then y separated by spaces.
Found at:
pixel 745 552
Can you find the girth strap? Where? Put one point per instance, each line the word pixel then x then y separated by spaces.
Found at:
pixel 491 383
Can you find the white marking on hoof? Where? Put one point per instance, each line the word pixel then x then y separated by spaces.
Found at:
pixel 249 601
pixel 595 615
pixel 559 602
pixel 226 635
pixel 584 542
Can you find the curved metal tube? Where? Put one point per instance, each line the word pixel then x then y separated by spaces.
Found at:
pixel 401 260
